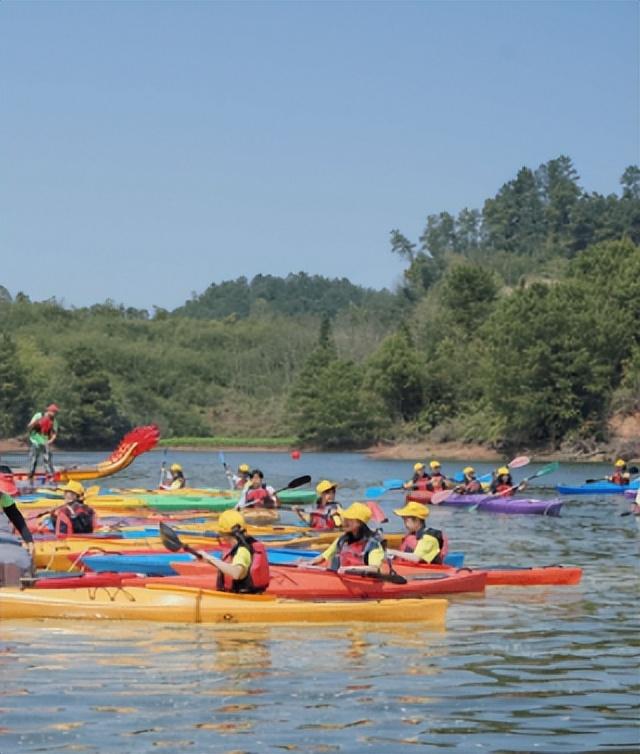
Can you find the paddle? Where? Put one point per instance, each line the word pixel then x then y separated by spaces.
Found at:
pixel 388 484
pixel 632 470
pixel 393 576
pixel 172 541
pixel 227 470
pixel 297 482
pixel 162 468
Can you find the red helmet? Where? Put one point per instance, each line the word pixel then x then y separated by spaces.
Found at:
pixel 53 408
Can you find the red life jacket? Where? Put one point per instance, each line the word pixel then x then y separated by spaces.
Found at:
pixel 472 487
pixel 44 426
pixel 257 579
pixel 438 482
pixel 618 477
pixel 350 552
pixel 76 518
pixel 323 518
pixel 259 498
pixel 506 490
pixel 422 483
pixel 410 542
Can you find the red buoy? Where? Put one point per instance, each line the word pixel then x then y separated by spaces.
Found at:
pixel 295 454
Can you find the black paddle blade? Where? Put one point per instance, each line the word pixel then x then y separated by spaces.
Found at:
pixel 169 538
pixel 393 577
pixel 298 482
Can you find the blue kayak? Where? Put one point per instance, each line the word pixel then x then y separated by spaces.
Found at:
pixel 159 564
pixel 597 488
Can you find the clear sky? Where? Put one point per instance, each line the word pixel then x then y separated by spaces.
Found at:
pixel 150 149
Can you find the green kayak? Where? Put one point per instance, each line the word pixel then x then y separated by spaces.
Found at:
pixel 297 497
pixel 189 502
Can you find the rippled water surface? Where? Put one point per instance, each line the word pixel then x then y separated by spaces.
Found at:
pixel 537 669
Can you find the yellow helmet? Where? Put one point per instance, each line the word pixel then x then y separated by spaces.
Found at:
pixel 435 464
pixel 418 466
pixel 468 470
pixel 244 468
pixel 620 463
pixel 73 486
pixel 324 486
pixel 417 510
pixel 229 520
pixel 358 512
pixel 503 470
pixel 175 467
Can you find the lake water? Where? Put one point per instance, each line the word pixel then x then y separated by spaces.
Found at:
pixel 538 669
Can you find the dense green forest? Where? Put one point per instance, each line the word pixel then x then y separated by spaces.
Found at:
pixel 516 325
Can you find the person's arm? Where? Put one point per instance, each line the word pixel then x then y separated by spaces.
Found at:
pixel 410 556
pixel 323 557
pixel 54 433
pixel 375 559
pixel 17 519
pixel 304 517
pixel 237 569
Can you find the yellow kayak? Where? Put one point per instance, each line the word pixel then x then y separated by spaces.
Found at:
pixel 193 605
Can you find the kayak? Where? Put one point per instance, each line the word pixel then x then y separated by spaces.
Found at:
pixel 158 602
pixel 297 497
pixel 318 583
pixel 497 503
pixel 554 575
pixel 138 441
pixel 161 563
pixel 631 494
pixel 598 488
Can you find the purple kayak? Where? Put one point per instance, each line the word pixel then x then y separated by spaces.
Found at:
pixel 631 494
pixel 498 504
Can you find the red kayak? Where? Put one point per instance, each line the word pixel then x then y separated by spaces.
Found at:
pixel 318 583
pixel 554 575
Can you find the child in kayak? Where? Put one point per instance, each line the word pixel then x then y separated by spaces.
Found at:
pixel 420 479
pixel 502 483
pixel 257 494
pixel 438 480
pixel 8 491
pixel 177 479
pixel 75 516
pixel 620 474
pixel 243 566
pixel 421 544
pixel 325 515
pixel 358 549
pixel 470 485
pixel 241 478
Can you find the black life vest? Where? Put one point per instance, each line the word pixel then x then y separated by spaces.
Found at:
pixel 257 578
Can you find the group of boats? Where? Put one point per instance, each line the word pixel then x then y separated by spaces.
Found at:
pixel 125 570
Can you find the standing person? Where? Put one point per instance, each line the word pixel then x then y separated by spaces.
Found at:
pixel 43 431
pixel 325 515
pixel 177 479
pixel 620 474
pixel 358 549
pixel 420 479
pixel 420 544
pixel 244 566
pixel 8 491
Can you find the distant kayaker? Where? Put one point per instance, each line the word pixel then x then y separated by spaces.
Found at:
pixel 257 494
pixel 421 544
pixel 244 566
pixel 470 485
pixel 621 474
pixel 75 516
pixel 8 491
pixel 502 483
pixel 420 479
pixel 358 549
pixel 43 431
pixel 325 515
pixel 176 480
pixel 242 476
pixel 438 480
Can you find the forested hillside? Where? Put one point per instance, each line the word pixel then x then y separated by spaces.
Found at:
pixel 516 325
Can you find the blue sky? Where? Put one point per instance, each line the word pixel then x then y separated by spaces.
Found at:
pixel 150 149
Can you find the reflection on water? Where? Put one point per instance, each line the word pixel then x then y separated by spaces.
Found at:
pixel 551 669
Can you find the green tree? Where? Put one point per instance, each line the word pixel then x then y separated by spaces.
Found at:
pixel 469 293
pixel 14 389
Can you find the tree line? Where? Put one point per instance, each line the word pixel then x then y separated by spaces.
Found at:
pixel 515 325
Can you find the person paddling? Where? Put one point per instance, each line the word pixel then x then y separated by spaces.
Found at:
pixel 244 566
pixel 420 479
pixel 8 491
pixel 241 477
pixel 177 480
pixel 358 549
pixel 75 516
pixel 470 485
pixel 421 544
pixel 257 494
pixel 325 515
pixel 502 483
pixel 621 474
pixel 438 481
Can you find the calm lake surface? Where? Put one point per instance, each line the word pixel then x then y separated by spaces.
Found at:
pixel 537 669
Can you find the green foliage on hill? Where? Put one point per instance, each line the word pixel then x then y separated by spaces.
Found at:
pixel 516 324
